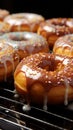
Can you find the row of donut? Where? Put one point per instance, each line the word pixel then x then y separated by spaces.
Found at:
pixel 51 29
pixel 24 44
pixel 43 77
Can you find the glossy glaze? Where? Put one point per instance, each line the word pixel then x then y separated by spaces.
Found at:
pixel 52 29
pixel 64 45
pixel 44 73
pixel 24 21
pixel 8 60
pixel 27 42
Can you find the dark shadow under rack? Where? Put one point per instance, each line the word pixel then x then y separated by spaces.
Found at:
pixel 12 115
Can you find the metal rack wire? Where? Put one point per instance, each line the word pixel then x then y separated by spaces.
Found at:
pixel 12 115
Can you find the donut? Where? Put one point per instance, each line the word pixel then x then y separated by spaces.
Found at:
pixel 24 21
pixel 26 43
pixel 3 14
pixel 45 78
pixel 64 45
pixel 53 28
pixel 9 59
pixel 4 27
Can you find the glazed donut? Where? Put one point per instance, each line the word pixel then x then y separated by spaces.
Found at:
pixel 4 27
pixel 24 21
pixel 64 45
pixel 9 59
pixel 26 43
pixel 53 28
pixel 45 78
pixel 3 14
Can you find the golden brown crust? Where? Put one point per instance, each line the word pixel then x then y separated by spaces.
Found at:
pixel 45 75
pixel 64 46
pixel 52 29
pixel 24 21
pixel 8 60
pixel 26 43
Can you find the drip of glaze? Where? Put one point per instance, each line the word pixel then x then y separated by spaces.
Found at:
pixel 16 95
pixel 66 92
pixel 45 102
pixel 5 66
pixel 15 91
pixel 4 60
pixel 26 107
pixel 12 61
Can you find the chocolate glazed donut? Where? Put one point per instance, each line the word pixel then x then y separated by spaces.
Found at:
pixel 45 78
pixel 54 28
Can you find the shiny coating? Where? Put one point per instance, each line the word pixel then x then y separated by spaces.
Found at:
pixel 64 45
pixel 48 69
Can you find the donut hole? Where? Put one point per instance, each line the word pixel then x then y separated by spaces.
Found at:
pixel 58 24
pixel 61 23
pixel 18 38
pixel 49 65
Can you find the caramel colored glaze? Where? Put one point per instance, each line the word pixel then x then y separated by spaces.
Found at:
pixel 24 21
pixel 52 29
pixel 3 14
pixel 64 45
pixel 45 75
pixel 8 61
pixel 26 43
